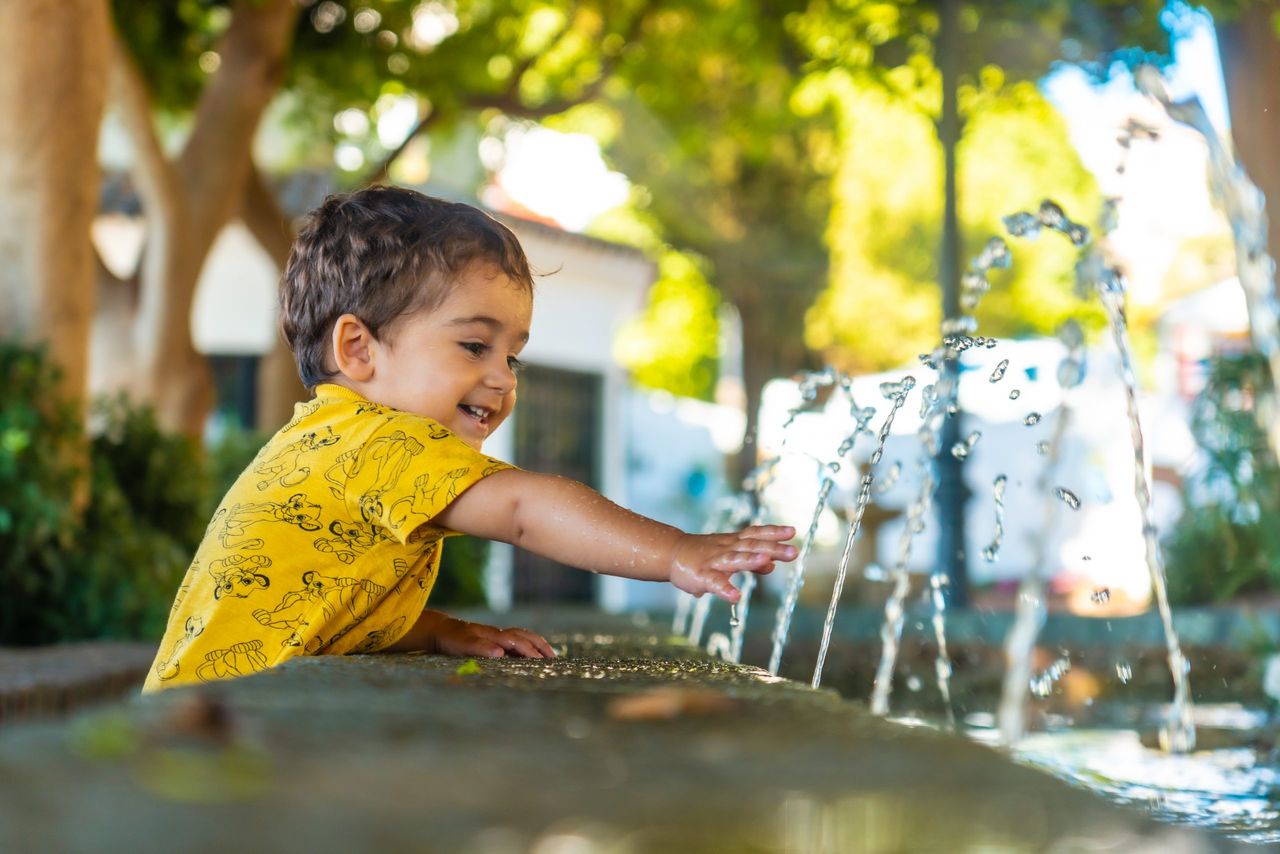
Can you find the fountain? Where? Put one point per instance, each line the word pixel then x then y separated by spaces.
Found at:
pixel 1176 732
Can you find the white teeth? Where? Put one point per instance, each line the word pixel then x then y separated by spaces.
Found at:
pixel 476 411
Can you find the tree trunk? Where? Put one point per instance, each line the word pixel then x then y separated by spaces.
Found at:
pixel 1251 65
pixel 772 347
pixel 51 95
pixel 189 202
pixel 279 386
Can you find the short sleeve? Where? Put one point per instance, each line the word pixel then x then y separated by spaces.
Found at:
pixel 408 471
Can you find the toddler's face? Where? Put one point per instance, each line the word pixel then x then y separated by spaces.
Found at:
pixel 457 364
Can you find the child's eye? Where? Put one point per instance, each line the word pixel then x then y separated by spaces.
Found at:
pixel 515 364
pixel 475 348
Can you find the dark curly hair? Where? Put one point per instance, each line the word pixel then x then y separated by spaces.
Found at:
pixel 381 253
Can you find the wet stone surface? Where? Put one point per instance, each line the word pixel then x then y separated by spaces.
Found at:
pixel 628 742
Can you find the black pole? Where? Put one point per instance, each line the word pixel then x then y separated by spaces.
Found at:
pixel 952 494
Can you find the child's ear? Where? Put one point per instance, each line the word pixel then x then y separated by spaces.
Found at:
pixel 353 348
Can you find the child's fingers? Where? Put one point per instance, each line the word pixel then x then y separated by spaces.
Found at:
pixel 526 643
pixel 775 550
pixel 735 561
pixel 767 532
pixel 520 646
pixel 724 589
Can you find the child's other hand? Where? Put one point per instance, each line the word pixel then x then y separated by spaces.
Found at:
pixel 703 563
pixel 461 638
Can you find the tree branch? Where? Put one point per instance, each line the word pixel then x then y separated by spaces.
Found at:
pixel 217 157
pixel 379 173
pixel 509 102
pixel 154 173
pixel 261 213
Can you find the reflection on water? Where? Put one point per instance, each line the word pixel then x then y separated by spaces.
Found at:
pixel 1233 789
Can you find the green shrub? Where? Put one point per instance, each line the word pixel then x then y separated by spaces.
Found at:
pixel 461 580
pixel 40 466
pixel 110 566
pixel 1227 543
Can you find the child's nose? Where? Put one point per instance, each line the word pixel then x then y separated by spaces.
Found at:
pixel 503 377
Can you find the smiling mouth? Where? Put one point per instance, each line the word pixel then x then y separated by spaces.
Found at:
pixel 475 413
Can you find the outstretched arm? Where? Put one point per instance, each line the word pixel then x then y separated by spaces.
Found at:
pixel 575 525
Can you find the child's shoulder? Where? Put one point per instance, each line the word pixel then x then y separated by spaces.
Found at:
pixel 339 416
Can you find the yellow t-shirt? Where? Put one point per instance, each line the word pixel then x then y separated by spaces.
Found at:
pixel 323 545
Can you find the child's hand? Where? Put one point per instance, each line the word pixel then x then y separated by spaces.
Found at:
pixel 461 638
pixel 703 563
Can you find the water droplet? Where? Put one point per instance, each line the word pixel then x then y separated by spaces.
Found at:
pixel 953 408
pixel 913 683
pixel 1101 596
pixel 960 450
pixel 1022 224
pixel 991 343
pixel 995 254
pixel 1078 234
pixel 1067 497
pixel 1015 393
pixel 998 373
pixel 1086 557
pixel 1032 419
pixel 834 466
pixel 1070 373
pixel 989 554
pixel 1051 215
pixel 959 325
pixel 1071 335
pixel 1042 448
pixel 1124 672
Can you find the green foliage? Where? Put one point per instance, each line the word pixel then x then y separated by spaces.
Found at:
pixel 460 583
pixel 882 307
pixel 520 57
pixel 737 173
pixel 110 568
pixel 39 447
pixel 673 345
pixel 1226 543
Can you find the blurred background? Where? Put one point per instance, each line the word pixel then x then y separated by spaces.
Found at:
pixel 721 196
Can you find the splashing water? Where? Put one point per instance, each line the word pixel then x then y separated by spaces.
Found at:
pixel 732 513
pixel 960 450
pixel 894 609
pixel 1029 615
pixel 998 373
pixel 890 478
pixel 1015 393
pixel 1067 497
pixel 897 394
pixel 1124 672
pixel 782 626
pixel 1178 735
pixel 1042 685
pixel 955 340
pixel 718 646
pixel 1032 419
pixel 1245 208
pixel 738 614
pixel 992 551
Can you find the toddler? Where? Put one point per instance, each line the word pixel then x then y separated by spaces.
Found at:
pixel 407 315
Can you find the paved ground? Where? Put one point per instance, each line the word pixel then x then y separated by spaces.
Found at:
pixel 626 743
pixel 49 680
